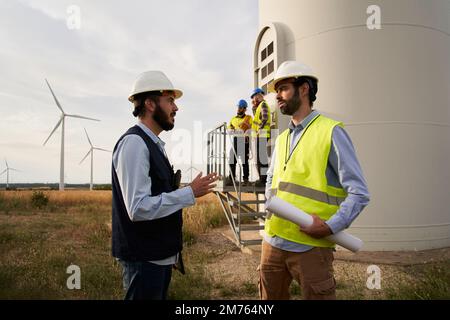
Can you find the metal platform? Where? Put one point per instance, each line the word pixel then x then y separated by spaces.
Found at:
pixel 221 187
pixel 243 206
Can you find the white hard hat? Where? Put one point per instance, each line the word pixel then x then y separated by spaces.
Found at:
pixel 291 69
pixel 153 81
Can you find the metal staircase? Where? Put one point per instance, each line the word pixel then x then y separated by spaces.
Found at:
pixel 243 206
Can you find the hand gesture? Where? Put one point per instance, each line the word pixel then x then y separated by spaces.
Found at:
pixel 203 185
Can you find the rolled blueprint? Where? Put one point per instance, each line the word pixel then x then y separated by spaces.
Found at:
pixel 289 212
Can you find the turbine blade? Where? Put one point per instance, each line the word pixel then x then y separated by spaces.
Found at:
pixel 54 97
pixel 88 137
pixel 56 127
pixel 14 169
pixel 81 117
pixel 6 164
pixel 3 172
pixel 90 150
pixel 102 149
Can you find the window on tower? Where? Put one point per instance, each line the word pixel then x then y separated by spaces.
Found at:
pixel 270 67
pixel 263 72
pixel 270 49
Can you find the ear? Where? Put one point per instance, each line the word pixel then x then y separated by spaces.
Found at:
pixel 304 89
pixel 150 105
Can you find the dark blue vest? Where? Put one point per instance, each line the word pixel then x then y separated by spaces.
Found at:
pixel 146 240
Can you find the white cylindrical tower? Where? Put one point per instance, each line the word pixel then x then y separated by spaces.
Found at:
pixel 391 88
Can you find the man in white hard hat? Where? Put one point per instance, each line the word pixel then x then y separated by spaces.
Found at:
pixel 147 203
pixel 314 167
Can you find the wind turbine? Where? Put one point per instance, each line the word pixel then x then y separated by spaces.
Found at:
pixel 8 168
pixel 192 168
pixel 62 122
pixel 91 152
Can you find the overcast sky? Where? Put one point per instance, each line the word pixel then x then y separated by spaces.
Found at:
pixel 204 46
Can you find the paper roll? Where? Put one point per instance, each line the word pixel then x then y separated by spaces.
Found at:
pixel 290 212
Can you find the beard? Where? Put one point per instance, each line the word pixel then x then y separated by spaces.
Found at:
pixel 163 119
pixel 292 105
pixel 255 105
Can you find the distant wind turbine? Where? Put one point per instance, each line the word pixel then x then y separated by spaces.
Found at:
pixel 8 168
pixel 62 122
pixel 91 152
pixel 192 168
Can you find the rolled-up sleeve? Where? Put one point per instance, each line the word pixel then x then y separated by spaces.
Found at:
pixel 264 114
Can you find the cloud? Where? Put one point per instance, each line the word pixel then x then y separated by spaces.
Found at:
pixel 205 47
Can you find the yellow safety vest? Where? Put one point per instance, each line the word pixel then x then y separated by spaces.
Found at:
pixel 236 122
pixel 301 180
pixel 257 122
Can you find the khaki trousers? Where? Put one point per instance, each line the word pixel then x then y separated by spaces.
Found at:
pixel 312 269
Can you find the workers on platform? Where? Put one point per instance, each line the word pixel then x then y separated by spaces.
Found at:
pixel 239 129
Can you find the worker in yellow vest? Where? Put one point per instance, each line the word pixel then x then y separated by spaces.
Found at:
pixel 313 167
pixel 262 121
pixel 239 129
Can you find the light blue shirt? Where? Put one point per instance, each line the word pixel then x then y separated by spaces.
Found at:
pixel 132 165
pixel 343 171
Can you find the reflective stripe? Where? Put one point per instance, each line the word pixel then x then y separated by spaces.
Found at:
pixel 309 193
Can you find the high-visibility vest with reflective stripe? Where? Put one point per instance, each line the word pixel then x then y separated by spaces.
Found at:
pixel 302 181
pixel 256 131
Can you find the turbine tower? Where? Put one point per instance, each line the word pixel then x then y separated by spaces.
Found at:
pixel 62 123
pixel 91 152
pixel 8 168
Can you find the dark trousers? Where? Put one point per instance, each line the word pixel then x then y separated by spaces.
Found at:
pixel 262 157
pixel 143 280
pixel 242 148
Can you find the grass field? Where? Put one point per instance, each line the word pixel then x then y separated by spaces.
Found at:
pixel 39 240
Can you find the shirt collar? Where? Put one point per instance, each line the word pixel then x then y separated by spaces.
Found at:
pixel 304 123
pixel 150 133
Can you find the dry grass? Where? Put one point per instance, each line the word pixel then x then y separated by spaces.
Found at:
pixel 61 199
pixel 202 217
pixel 37 245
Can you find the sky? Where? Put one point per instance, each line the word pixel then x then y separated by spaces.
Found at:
pixel 91 52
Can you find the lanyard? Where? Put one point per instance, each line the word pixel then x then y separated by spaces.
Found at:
pixel 288 154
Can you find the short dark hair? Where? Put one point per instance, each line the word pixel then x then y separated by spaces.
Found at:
pixel 313 87
pixel 139 102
